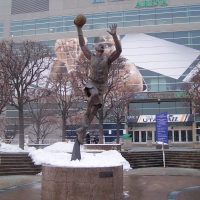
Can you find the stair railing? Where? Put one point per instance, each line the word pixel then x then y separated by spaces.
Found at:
pixel 163 153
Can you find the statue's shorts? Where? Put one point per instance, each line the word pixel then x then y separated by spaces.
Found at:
pixel 99 89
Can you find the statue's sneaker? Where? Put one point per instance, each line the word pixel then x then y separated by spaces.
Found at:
pixel 80 134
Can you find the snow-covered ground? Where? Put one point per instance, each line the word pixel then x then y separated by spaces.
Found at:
pixel 59 154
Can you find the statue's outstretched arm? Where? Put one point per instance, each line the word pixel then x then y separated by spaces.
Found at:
pixel 115 54
pixel 84 48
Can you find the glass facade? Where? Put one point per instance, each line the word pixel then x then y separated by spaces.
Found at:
pixel 127 18
pixel 155 81
pixel 153 108
pixel 1 30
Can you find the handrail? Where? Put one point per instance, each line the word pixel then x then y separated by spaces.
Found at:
pixel 163 153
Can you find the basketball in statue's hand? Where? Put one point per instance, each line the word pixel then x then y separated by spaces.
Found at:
pixel 80 20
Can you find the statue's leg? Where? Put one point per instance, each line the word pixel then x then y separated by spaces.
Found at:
pixel 87 119
pixel 80 134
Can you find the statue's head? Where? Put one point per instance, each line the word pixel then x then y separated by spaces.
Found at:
pixel 99 47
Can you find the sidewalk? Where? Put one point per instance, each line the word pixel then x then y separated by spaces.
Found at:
pixel 139 184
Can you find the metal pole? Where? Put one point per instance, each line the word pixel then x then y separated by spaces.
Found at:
pixel 163 152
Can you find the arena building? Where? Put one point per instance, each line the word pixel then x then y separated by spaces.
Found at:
pixel 160 38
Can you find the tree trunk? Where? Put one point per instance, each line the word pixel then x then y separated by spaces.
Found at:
pixel 38 132
pixel 118 130
pixel 21 127
pixel 63 126
pixel 101 126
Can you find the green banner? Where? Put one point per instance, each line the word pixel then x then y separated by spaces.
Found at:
pixel 151 3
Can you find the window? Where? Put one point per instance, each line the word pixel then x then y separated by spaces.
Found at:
pixel 163 16
pixel 42 26
pixel 68 23
pixel 143 134
pixel 1 30
pixel 100 20
pixel 55 24
pixel 151 108
pixel 16 28
pixel 182 37
pixel 136 136
pixel 176 136
pixel 167 106
pixel 195 39
pixel 194 13
pixel 115 17
pixel 29 27
pixel 170 135
pixel 180 108
pixel 131 18
pixel 149 135
pixel 147 17
pixel 180 15
pixel 189 134
pixel 183 136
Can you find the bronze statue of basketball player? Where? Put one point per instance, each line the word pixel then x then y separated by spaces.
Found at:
pixel 98 74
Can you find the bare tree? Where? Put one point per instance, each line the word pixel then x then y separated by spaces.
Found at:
pixel 192 89
pixel 23 65
pixel 67 94
pixel 5 91
pixel 116 79
pixel 41 115
pixel 119 100
pixel 6 134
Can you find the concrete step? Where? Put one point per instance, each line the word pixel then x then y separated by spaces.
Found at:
pixel 19 173
pixel 18 164
pixel 155 158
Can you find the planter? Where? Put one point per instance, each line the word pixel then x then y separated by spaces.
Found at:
pixel 149 143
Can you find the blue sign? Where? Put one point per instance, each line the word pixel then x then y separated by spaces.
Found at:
pixel 98 1
pixel 162 127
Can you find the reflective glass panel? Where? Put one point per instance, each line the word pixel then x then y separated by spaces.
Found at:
pixel 189 135
pixel 42 26
pixel 163 16
pixel 131 18
pixel 170 135
pixel 194 13
pixel 195 39
pixel 183 136
pixel 68 23
pixel 180 15
pixel 115 17
pixel 136 136
pixel 100 20
pixel 16 28
pixel 143 135
pixel 176 136
pixel 181 108
pixel 147 17
pixel 55 24
pixel 151 108
pixel 168 106
pixel 28 27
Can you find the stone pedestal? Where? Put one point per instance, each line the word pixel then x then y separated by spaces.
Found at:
pixel 82 183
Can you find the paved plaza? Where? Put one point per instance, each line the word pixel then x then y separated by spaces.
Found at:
pixel 139 184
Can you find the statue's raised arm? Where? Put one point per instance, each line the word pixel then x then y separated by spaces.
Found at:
pixel 82 44
pixel 115 54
